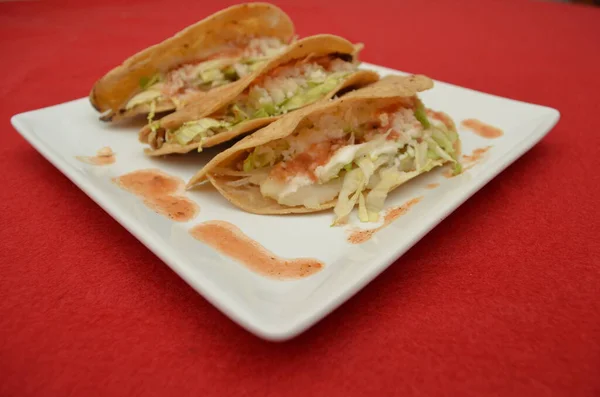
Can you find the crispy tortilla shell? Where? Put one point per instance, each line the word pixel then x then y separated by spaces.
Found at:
pixel 201 40
pixel 220 170
pixel 251 200
pixel 216 100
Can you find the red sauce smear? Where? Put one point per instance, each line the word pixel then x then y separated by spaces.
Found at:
pixel 469 161
pixel 307 162
pixel 161 193
pixel 432 185
pixel 104 156
pixel 482 129
pixel 441 116
pixel 477 155
pixel 359 236
pixel 231 241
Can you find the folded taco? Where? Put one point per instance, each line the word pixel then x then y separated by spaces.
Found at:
pixel 215 51
pixel 310 70
pixel 353 150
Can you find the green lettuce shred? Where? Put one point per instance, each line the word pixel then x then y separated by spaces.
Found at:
pixel 190 130
pixel 152 112
pixel 313 94
pixel 421 114
pixel 146 82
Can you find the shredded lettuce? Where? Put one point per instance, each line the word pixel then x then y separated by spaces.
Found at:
pixel 363 215
pixel 147 82
pixel 263 156
pixel 144 97
pixel 248 164
pixel 266 110
pixel 421 114
pixel 443 145
pixel 154 126
pixel 255 95
pixel 152 112
pixel 212 64
pixel 457 168
pixel 390 178
pixel 260 114
pixel 368 166
pixel 399 167
pixel 258 160
pixel 405 162
pixel 260 104
pixel 366 172
pixel 441 139
pixel 211 75
pixel 312 94
pixel 230 73
pixel 420 151
pixel 238 114
pixel 438 152
pixel 353 184
pixel 190 130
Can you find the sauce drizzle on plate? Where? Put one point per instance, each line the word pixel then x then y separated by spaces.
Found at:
pixel 359 236
pixel 469 161
pixel 160 192
pixel 229 240
pixel 104 156
pixel 476 156
pixel 482 129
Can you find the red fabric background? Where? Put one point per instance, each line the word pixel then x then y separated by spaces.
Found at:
pixel 503 298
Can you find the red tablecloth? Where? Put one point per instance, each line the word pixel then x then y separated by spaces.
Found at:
pixel 503 298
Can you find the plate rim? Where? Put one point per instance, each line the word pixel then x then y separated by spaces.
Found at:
pixel 212 292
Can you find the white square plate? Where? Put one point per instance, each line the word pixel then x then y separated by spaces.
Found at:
pixel 274 309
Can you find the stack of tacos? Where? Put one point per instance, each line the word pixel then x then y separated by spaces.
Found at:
pixel 309 71
pixel 321 133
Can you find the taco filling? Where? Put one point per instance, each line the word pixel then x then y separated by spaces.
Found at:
pixel 173 87
pixel 285 88
pixel 351 156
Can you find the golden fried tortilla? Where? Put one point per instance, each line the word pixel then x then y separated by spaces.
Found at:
pixel 236 24
pixel 223 170
pixel 216 101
